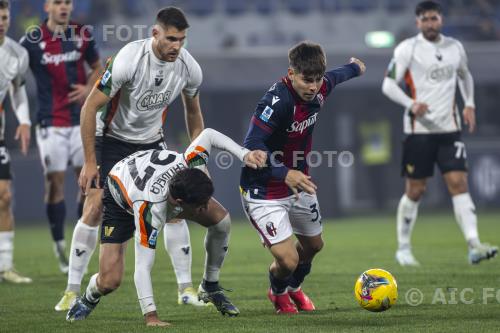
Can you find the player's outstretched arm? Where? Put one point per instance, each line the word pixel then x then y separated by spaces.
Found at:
pixel 92 104
pixel 210 138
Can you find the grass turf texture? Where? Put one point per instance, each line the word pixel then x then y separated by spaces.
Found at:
pixel 352 246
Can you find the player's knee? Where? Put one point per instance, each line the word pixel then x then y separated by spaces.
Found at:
pixel 288 264
pixel 457 186
pixel 92 210
pixel 316 247
pixel 5 199
pixel 415 193
pixel 54 190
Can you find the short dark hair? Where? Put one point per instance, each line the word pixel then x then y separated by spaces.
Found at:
pixel 191 186
pixel 4 4
pixel 172 17
pixel 307 58
pixel 426 6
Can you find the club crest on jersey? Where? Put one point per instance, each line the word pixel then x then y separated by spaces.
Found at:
pixel 266 114
pixel 321 99
pixel 149 101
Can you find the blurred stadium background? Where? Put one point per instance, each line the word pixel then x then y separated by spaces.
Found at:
pixel 242 48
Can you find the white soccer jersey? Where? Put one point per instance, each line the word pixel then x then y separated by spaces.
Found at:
pixel 142 87
pixel 139 182
pixel 430 72
pixel 14 62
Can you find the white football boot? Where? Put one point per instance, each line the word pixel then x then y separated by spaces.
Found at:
pixel 405 258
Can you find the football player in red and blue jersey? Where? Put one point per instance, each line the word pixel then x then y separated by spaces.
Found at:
pixel 280 200
pixel 58 50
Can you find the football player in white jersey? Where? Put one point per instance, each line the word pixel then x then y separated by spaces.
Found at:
pixel 125 113
pixel 143 192
pixel 431 64
pixel 13 65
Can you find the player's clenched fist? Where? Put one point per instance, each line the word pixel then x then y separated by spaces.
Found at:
pixel 361 65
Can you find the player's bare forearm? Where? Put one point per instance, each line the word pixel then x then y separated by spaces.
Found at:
pixel 94 102
pixel 194 117
pixel 97 69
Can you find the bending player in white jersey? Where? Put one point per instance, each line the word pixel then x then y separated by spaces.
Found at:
pixel 431 64
pixel 132 97
pixel 143 192
pixel 14 63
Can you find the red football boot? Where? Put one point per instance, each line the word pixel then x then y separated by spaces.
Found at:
pixel 302 301
pixel 282 303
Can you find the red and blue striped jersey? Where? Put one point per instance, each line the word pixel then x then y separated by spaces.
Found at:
pixel 57 62
pixel 282 125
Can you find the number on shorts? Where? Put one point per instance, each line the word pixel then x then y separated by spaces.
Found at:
pixel 4 156
pixel 460 153
pixel 314 210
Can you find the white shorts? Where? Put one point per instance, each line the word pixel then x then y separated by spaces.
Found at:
pixel 59 147
pixel 277 220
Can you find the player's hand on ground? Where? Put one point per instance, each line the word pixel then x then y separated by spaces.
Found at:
pixel 88 174
pixel 23 134
pixel 78 94
pixel 358 62
pixel 470 118
pixel 296 181
pixel 419 109
pixel 152 320
pixel 255 159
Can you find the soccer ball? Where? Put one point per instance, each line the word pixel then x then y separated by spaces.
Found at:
pixel 376 290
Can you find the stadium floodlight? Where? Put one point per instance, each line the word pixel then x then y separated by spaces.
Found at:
pixel 379 39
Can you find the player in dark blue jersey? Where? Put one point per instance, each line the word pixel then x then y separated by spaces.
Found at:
pixel 58 51
pixel 280 200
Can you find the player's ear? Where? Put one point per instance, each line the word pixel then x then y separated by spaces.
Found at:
pixel 291 73
pixel 156 31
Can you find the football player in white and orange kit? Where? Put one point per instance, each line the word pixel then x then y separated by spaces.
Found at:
pixel 125 113
pixel 14 63
pixel 431 65
pixel 143 192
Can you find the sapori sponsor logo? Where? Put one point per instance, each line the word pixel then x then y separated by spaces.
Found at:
pixel 150 101
pixel 301 126
pixel 56 59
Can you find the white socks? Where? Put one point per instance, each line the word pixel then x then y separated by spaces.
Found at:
pixel 144 260
pixel 6 250
pixel 178 245
pixel 92 293
pixel 82 247
pixel 216 244
pixel 406 217
pixel 465 214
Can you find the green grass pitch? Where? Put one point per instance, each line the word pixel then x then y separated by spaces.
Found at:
pixel 352 246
